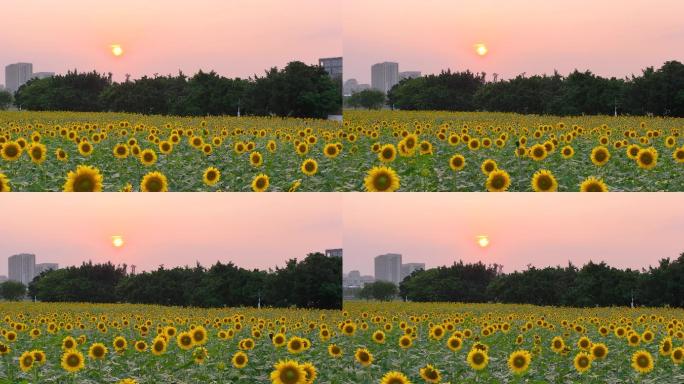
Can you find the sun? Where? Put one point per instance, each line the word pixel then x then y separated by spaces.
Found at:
pixel 481 49
pixel 483 241
pixel 117 50
pixel 117 241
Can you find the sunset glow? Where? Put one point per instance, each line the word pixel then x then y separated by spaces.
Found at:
pixel 117 50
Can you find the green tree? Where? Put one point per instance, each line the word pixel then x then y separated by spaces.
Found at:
pixel 379 290
pixel 368 98
pixel 12 290
pixel 5 99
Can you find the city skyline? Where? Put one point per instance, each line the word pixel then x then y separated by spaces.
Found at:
pixel 521 36
pixel 234 38
pixel 577 228
pixel 174 230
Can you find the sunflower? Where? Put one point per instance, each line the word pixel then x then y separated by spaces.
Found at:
pixel 154 182
pixel 61 154
pixel 382 179
pixel 199 335
pixel 120 344
pixel 378 337
pixel 334 350
pixel 26 361
pixel 584 343
pixel 37 152
pixel 488 166
pixel 582 361
pixel 184 341
pixel 10 151
pixel 120 151
pixel 600 156
pixel 544 181
pixel 363 357
pixel 97 351
pixel 211 176
pixel 255 159
pixel 85 148
pixel 665 347
pixel 311 372
pixel 200 354
pixel 593 184
pixel 642 361
pixel 4 183
pixel 302 148
pixel 425 147
pixel 405 342
pixel 165 147
pixel 140 346
pixel 260 183
pixel 309 167
pixel 677 355
pixel 148 157
pixel 84 179
pixel 158 346
pixel 567 152
pixel 38 356
pixel 537 152
pixel 239 360
pixel 477 359
pixel 454 343
pixel 127 381
pixel 394 377
pixel 430 374
pixel 331 151
pixel 647 158
pixel 519 361
pixel 288 372
pixel 498 181
pixel 457 162
pixel 295 345
pixel 387 153
pixel 72 361
pixel 678 155
pixel 557 344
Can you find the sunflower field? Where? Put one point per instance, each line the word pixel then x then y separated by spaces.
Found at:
pixel 69 151
pixel 395 343
pixel 122 343
pixel 451 151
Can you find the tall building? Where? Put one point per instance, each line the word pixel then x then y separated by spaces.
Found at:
pixel 42 267
pixel 337 252
pixel 22 267
pixel 384 76
pixel 408 268
pixel 42 75
pixel 17 74
pixel 352 86
pixel 408 75
pixel 354 279
pixel 388 268
pixel 332 65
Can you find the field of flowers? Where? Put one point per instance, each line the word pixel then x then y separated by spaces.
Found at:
pixel 50 151
pixel 445 151
pixel 89 343
pixel 495 343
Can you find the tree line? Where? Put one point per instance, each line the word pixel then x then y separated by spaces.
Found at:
pixel 656 91
pixel 314 282
pixel 297 90
pixel 594 284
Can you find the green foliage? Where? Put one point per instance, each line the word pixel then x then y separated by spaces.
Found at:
pixel 5 99
pixel 315 282
pixel 368 98
pixel 658 92
pixel 298 90
pixel 595 284
pixel 379 290
pixel 12 290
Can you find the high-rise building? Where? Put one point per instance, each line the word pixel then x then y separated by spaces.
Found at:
pixel 336 252
pixel 408 75
pixel 384 76
pixel 408 268
pixel 17 74
pixel 352 86
pixel 42 75
pixel 22 267
pixel 332 65
pixel 42 267
pixel 388 268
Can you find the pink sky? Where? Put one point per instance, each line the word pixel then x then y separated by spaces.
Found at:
pixel 251 230
pixel 233 37
pixel 609 37
pixel 624 229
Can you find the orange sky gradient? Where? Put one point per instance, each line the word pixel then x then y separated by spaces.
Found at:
pixel 233 37
pixel 632 230
pixel 251 230
pixel 609 37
